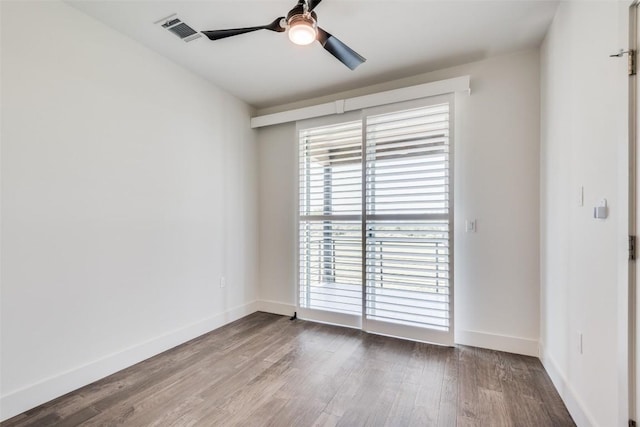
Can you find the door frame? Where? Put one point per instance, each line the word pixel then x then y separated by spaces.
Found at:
pixel 628 373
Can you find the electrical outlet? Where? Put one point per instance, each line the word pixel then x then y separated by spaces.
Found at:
pixel 223 282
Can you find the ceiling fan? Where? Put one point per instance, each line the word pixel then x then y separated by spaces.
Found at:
pixel 302 26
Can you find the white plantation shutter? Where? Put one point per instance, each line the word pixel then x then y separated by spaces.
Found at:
pixel 375 221
pixel 330 226
pixel 408 218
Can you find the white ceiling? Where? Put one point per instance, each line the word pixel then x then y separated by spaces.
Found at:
pixel 399 38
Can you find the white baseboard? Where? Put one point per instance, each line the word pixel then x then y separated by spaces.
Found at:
pixel 579 412
pixel 276 307
pixel 528 347
pixel 36 394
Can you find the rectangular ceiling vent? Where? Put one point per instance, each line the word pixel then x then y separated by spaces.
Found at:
pixel 179 28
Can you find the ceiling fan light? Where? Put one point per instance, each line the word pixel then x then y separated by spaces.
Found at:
pixel 302 30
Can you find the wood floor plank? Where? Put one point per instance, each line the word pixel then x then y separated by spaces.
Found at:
pixel 401 412
pixel 378 386
pixel 265 370
pixel 468 388
pixel 449 396
pixel 346 393
pixel 326 420
pixel 427 405
pixel 264 413
pixel 492 409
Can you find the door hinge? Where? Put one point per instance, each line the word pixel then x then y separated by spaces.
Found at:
pixel 632 248
pixel 632 423
pixel 631 57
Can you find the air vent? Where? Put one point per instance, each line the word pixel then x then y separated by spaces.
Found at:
pixel 179 28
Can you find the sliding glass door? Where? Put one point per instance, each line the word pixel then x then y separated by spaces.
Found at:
pixel 375 221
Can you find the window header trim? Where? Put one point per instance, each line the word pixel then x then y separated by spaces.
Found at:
pixel 340 106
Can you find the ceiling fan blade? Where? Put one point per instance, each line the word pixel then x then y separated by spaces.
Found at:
pixel 221 34
pixel 312 4
pixel 341 51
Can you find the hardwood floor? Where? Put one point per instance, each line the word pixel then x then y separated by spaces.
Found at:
pixel 265 370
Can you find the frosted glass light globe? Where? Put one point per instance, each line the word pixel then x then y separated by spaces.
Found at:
pixel 302 31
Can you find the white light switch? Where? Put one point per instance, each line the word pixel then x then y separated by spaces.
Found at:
pixel 470 225
pixel 581 196
pixel 580 347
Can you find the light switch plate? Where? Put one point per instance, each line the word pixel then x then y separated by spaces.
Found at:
pixel 581 196
pixel 470 225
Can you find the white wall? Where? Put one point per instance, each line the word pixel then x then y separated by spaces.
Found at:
pixel 583 144
pixel 128 189
pixel 277 157
pixel 496 182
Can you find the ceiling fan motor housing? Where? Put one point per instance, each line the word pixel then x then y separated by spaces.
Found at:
pixel 298 14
